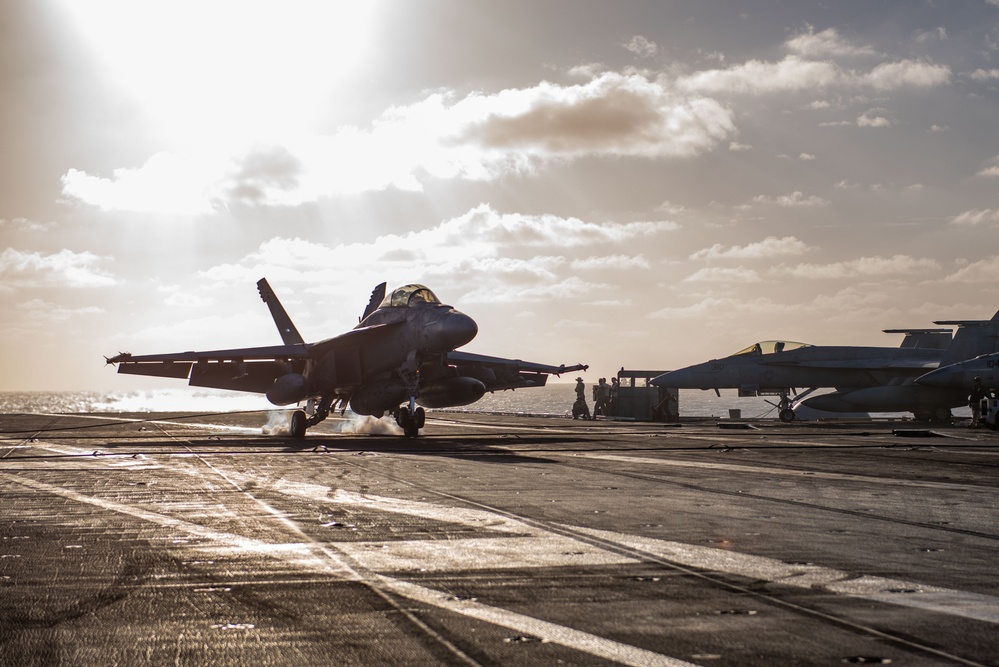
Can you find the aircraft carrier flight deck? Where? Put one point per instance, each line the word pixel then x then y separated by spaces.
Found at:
pixel 496 540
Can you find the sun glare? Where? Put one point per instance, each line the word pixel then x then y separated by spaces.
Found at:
pixel 227 70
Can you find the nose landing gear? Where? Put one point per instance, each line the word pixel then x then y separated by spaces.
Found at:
pixel 411 420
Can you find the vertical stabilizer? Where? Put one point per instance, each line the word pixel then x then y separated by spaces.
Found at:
pixel 377 296
pixel 289 334
pixel 973 338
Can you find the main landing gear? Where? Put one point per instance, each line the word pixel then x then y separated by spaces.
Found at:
pixel 300 421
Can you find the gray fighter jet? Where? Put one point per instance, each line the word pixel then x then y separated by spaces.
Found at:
pixel 866 379
pixel 399 359
pixel 962 374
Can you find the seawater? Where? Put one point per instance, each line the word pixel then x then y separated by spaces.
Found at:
pixel 553 399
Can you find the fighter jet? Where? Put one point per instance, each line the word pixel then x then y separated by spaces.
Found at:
pixel 399 359
pixel 962 374
pixel 866 379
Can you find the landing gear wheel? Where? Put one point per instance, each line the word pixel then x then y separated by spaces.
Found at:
pixel 942 415
pixel 298 424
pixel 922 416
pixel 411 422
pixel 787 415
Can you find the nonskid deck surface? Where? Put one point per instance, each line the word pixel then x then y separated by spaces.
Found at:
pixel 494 539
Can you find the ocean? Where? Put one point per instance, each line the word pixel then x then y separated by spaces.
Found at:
pixel 554 399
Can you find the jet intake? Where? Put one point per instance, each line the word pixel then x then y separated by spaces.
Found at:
pixel 288 389
pixel 449 392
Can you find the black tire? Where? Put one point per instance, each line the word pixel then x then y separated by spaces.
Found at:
pixel 420 416
pixel 402 417
pixel 411 429
pixel 787 415
pixel 298 424
pixel 942 415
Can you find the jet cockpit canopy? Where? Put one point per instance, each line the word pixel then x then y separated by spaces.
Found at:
pixel 771 347
pixel 408 296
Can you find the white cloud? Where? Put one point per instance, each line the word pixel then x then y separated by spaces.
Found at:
pixel 41 312
pixel 826 43
pixel 976 217
pixel 992 168
pixel 795 199
pixel 723 275
pixel 736 147
pixel 642 47
pixel 871 118
pixel 983 271
pixel 807 157
pixel 613 262
pixel 794 73
pixel 483 252
pixel 62 269
pixel 906 74
pixel 24 224
pixel 769 247
pixel 714 306
pixel 479 137
pixel 756 76
pixel 865 266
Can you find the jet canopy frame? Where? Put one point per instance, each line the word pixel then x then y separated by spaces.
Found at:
pixel 408 296
pixel 771 347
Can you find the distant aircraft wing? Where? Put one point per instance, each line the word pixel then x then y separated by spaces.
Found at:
pixel 498 373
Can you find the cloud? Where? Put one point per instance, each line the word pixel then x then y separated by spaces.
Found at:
pixel 976 217
pixel 865 266
pixel 768 247
pixel 478 137
pixel 826 43
pixel 736 147
pixel 983 271
pixel 38 311
pixel 756 77
pixel 62 269
pixel 907 74
pixel 613 115
pixel 642 47
pixel 794 73
pixel 483 252
pixel 992 169
pixel 985 74
pixel 715 306
pixel 23 224
pixel 870 118
pixel 795 199
pixel 724 275
pixel 613 262
pixel 807 157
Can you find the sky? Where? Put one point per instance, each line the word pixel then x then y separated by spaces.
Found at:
pixel 639 184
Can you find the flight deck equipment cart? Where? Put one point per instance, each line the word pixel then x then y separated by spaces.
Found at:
pixel 990 412
pixel 640 400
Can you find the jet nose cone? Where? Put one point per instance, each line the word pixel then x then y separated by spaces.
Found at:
pixel 942 377
pixel 679 379
pixel 458 329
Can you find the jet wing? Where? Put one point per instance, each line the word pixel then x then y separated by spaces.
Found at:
pixel 862 364
pixel 498 373
pixel 251 369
